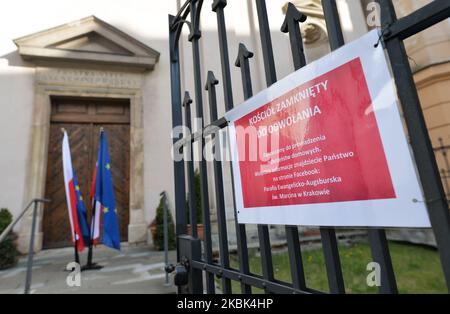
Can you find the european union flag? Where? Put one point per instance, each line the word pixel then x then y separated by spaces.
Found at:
pixel 81 212
pixel 104 194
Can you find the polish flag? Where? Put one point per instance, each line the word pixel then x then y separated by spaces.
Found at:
pixel 71 194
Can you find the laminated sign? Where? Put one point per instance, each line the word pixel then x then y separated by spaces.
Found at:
pixel 325 146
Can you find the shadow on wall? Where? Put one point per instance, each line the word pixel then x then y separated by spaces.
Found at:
pixel 14 59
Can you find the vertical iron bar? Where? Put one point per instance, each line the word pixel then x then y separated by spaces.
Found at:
pixel 241 235
pixel 420 141
pixel 263 230
pixel 266 42
pixel 31 251
pixel 332 260
pixel 218 183
pixel 295 257
pixel 271 77
pixel 166 236
pixel 191 250
pixel 291 25
pixel 292 236
pixel 334 30
pixel 187 101
pixel 177 120
pixel 194 37
pixel 328 235
pixel 379 247
pixel 243 63
pixel 266 253
pixel 218 7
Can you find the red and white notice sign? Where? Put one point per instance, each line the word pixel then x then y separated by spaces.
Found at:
pixel 326 146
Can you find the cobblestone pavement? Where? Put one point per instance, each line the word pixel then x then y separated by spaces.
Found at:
pixel 134 270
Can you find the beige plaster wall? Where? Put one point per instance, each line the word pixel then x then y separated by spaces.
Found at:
pixel 144 20
pixel 16 104
pixel 429 46
pixel 429 53
pixel 433 87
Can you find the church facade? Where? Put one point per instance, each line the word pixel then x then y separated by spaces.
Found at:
pixel 85 65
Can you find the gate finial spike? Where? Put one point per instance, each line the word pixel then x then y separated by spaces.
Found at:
pixel 291 26
pixel 211 80
pixel 218 4
pixel 243 54
pixel 187 99
pixel 292 15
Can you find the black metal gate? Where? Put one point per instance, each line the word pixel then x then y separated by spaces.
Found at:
pixel 196 267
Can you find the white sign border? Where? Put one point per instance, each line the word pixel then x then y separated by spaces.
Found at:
pixel 407 210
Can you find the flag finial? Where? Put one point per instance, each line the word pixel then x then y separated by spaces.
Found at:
pixel 102 129
pixel 63 130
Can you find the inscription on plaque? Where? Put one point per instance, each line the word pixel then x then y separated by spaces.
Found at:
pixel 82 77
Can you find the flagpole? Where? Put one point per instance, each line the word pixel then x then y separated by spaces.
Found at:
pixel 90 265
pixel 89 261
pixel 77 256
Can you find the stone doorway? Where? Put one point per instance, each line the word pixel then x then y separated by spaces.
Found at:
pixel 82 118
pixel 88 59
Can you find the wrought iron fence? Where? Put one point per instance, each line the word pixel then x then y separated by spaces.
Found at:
pixel 442 151
pixel 196 267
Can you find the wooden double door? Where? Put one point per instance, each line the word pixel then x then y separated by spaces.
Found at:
pixel 82 119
